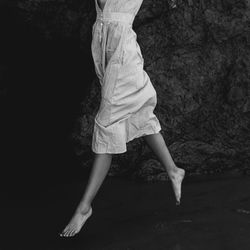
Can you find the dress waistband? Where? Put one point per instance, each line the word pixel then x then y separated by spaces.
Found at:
pixel 125 18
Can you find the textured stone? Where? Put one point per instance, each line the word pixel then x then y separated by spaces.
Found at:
pixel 198 58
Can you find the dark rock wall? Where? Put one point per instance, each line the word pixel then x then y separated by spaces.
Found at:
pixel 198 58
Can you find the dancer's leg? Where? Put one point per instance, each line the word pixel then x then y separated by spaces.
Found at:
pixel 157 144
pixel 98 173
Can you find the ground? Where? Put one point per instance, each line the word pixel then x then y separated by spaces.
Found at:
pixel 128 215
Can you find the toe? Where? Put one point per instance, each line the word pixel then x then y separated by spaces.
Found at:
pixel 72 233
pixel 69 233
pixel 66 234
pixel 63 233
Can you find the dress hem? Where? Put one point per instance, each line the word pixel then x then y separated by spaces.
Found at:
pixel 153 130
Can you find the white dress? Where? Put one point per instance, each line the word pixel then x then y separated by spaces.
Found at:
pixel 128 97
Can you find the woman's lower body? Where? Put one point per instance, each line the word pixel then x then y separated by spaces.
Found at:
pixel 101 166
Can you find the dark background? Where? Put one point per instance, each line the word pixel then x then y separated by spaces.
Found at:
pixel 43 82
pixel 197 56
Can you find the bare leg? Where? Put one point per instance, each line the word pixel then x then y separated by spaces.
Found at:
pixel 83 211
pixel 157 144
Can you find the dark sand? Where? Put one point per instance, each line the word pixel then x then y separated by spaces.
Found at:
pixel 214 214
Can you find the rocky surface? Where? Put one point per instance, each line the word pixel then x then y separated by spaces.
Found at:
pixel 198 58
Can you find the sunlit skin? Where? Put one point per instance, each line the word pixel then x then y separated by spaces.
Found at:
pixel 100 168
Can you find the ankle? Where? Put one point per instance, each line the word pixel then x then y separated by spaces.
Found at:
pixel 173 170
pixel 83 207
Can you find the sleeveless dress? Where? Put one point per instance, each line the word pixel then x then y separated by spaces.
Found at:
pixel 128 97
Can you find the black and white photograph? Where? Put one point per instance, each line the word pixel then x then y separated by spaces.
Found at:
pixel 125 124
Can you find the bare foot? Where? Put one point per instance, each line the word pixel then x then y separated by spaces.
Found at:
pixel 176 177
pixel 76 223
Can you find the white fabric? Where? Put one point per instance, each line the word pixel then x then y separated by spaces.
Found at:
pixel 128 97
